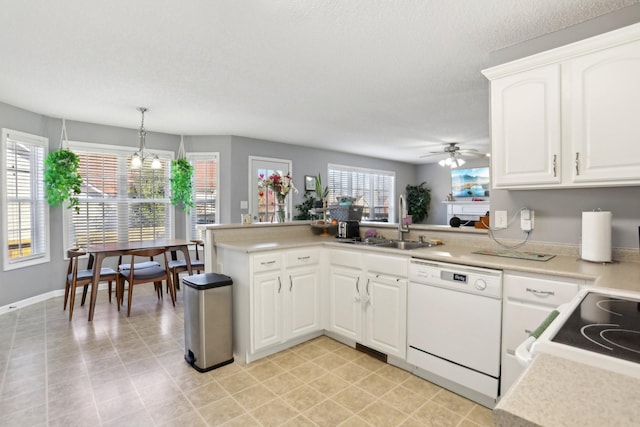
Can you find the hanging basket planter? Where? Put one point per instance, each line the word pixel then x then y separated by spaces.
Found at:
pixel 181 185
pixel 62 181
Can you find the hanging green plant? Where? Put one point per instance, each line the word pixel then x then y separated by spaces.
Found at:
pixel 62 181
pixel 181 186
pixel 418 201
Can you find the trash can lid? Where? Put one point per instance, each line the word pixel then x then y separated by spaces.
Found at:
pixel 207 281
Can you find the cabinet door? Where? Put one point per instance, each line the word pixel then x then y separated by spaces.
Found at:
pixel 385 303
pixel 526 128
pixel 605 125
pixel 267 309
pixel 345 310
pixel 302 301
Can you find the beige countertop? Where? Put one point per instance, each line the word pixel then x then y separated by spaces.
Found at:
pixel 555 391
pixel 619 275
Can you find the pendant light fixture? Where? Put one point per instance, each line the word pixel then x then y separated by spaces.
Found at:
pixel 139 156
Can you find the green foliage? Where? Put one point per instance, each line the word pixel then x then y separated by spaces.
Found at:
pixel 62 181
pixel 418 201
pixel 304 207
pixel 321 193
pixel 181 185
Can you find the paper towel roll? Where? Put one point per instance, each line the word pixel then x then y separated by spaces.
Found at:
pixel 596 236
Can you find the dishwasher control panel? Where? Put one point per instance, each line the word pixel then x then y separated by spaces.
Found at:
pixel 462 278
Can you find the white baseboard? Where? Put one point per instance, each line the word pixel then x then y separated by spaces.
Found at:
pixel 42 297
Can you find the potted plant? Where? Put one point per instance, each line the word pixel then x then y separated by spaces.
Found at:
pixel 321 192
pixel 418 201
pixel 181 185
pixel 62 181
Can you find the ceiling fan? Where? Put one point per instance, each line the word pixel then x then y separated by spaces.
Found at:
pixel 454 155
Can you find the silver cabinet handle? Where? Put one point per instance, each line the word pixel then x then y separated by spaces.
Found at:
pixel 555 163
pixel 302 258
pixel 577 163
pixel 268 262
pixel 290 283
pixel 279 284
pixel 368 288
pixel 540 293
pixel 358 285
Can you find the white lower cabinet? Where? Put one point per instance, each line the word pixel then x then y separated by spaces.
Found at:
pixel 528 300
pixel 385 314
pixel 285 296
pixel 368 299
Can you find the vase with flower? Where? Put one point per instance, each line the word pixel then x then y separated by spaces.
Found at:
pixel 280 186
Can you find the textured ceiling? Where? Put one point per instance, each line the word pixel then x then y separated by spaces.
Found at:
pixel 386 78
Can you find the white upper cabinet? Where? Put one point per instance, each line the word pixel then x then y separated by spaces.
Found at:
pixel 569 117
pixel 525 110
pixel 605 114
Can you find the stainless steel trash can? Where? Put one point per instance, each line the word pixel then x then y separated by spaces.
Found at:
pixel 208 321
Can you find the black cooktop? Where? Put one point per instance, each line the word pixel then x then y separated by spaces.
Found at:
pixel 606 325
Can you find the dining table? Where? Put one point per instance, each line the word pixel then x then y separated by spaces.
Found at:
pixel 99 251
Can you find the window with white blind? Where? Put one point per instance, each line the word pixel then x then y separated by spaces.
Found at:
pixel 373 189
pixel 118 203
pixel 205 192
pixel 25 213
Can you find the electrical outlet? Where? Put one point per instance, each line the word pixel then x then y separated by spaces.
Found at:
pixel 526 219
pixel 501 219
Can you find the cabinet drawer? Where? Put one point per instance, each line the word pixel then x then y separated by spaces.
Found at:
pixel 385 264
pixel 346 258
pixel 519 321
pixel 301 257
pixel 535 290
pixel 267 262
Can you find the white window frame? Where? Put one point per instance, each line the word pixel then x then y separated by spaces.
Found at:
pixel 192 157
pixel 373 173
pixel 82 147
pixel 37 185
pixel 283 166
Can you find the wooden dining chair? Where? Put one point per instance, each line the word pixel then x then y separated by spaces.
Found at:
pixel 135 275
pixel 77 277
pixel 177 266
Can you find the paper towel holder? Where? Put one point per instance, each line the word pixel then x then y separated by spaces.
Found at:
pixel 594 255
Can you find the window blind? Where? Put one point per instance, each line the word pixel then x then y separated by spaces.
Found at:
pixel 373 189
pixel 117 203
pixel 26 219
pixel 205 192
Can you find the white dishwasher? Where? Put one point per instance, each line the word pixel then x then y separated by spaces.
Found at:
pixel 453 327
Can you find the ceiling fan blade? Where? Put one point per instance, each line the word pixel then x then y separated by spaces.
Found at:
pixel 434 154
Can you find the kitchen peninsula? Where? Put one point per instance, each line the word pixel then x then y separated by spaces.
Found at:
pixel 226 243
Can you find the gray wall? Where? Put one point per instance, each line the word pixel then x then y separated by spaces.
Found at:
pixel 27 282
pixel 438 179
pixel 306 161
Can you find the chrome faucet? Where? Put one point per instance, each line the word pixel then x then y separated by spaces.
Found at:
pixel 402 228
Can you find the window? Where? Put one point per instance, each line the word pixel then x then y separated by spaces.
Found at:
pixel 117 203
pixel 264 203
pixel 25 216
pixel 373 189
pixel 205 192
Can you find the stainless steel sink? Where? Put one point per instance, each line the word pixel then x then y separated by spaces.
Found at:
pixel 404 245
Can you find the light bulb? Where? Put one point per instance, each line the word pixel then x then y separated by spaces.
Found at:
pixel 461 162
pixel 442 163
pixel 155 163
pixel 136 161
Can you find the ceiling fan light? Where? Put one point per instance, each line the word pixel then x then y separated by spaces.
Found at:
pixel 442 163
pixel 460 162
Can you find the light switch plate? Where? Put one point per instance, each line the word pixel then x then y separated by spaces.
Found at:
pixel 501 219
pixel 244 204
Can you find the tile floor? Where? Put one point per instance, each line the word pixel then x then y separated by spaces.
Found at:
pixel 119 371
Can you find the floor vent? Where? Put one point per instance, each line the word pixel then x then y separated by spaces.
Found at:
pixel 371 352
